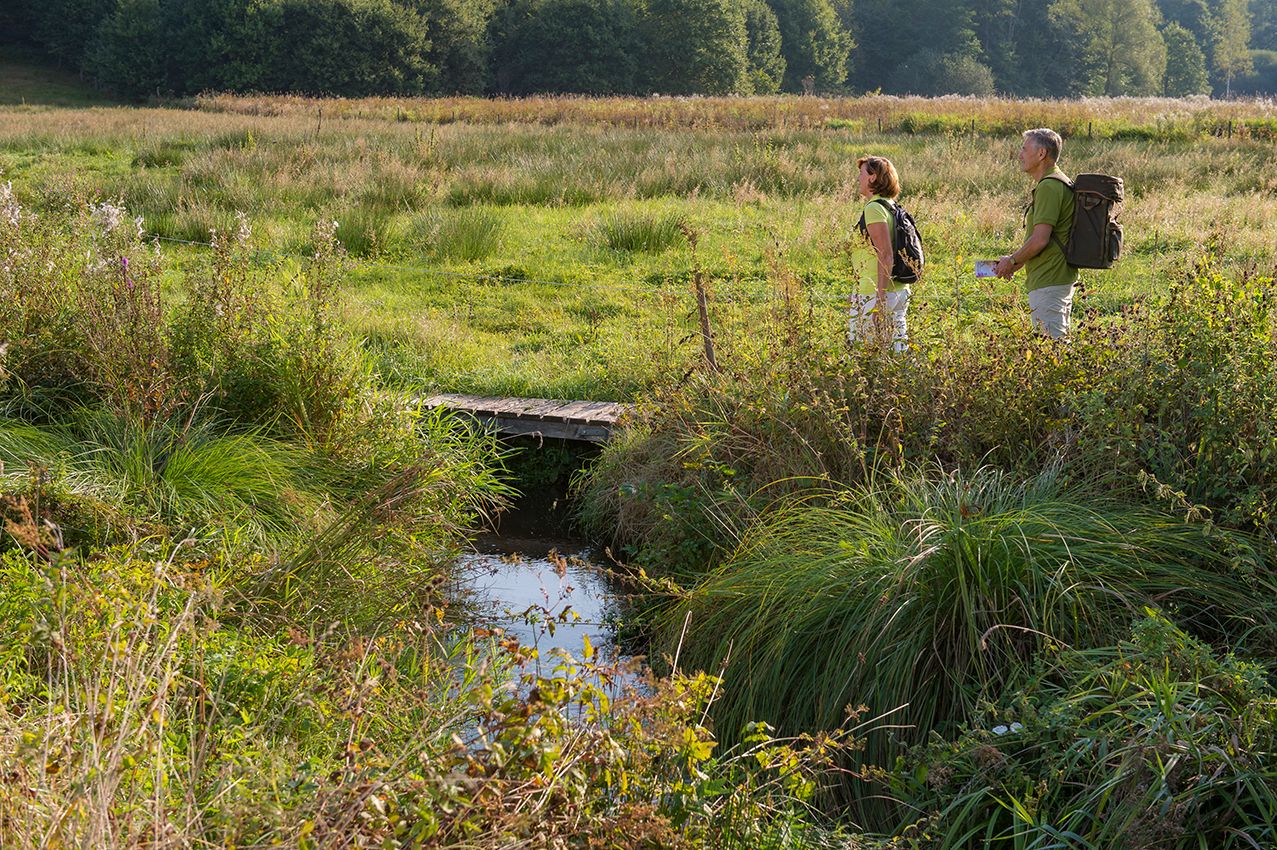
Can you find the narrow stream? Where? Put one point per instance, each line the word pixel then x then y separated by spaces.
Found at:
pixel 531 577
pixel 547 593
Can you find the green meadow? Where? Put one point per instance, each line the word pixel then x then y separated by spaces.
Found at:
pixel 517 258
pixel 991 592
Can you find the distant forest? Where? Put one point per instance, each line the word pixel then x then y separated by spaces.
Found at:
pixel 1025 48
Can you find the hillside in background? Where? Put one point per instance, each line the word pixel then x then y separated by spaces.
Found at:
pixel 27 78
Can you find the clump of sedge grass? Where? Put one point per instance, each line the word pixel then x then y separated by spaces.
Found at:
pixel 367 231
pixel 634 232
pixel 922 595
pixel 466 234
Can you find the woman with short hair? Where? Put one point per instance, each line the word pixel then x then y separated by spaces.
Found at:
pixel 878 298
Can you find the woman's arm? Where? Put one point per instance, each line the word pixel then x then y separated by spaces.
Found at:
pixel 880 236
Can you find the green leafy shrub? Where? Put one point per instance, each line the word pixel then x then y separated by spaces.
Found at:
pixel 267 355
pixel 1188 394
pixel 1156 742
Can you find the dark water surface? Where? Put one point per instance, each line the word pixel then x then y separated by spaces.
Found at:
pixel 543 587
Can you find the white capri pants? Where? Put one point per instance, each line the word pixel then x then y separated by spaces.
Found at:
pixel 862 306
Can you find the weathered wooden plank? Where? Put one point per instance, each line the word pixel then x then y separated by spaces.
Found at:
pixel 577 411
pixel 606 411
pixel 554 418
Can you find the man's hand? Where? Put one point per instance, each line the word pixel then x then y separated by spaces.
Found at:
pixel 1005 267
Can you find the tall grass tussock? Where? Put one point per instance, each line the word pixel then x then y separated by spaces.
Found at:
pixel 925 595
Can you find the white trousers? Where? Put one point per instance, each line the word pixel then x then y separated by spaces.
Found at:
pixel 863 307
pixel 1051 308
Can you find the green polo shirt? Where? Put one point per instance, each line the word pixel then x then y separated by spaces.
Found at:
pixel 1052 204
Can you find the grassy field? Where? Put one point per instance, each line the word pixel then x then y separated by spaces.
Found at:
pixel 998 590
pixel 524 257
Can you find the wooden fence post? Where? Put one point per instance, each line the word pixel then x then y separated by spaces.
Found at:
pixel 702 298
pixel 702 307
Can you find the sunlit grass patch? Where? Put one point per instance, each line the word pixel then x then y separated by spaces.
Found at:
pixel 465 234
pixel 635 231
pixel 368 231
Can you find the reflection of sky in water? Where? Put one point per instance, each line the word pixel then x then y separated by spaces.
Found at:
pixel 522 595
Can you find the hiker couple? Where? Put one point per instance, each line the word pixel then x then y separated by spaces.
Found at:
pixel 890 255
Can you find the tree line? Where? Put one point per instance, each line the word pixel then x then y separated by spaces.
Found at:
pixel 1025 48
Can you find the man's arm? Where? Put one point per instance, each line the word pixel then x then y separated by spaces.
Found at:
pixel 1034 245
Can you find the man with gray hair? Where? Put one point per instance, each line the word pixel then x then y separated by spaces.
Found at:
pixel 1049 279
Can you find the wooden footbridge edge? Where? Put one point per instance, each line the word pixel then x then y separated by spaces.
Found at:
pixel 588 421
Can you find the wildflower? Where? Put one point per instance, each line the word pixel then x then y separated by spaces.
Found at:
pixel 10 210
pixel 243 232
pixel 107 216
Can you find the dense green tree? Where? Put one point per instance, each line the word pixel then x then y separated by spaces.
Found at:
pixel 17 24
pixel 997 25
pixel 1193 15
pixel 579 46
pixel 226 45
pixel 1049 61
pixel 896 52
pixel 695 47
pixel 459 47
pixel 1263 24
pixel 1263 79
pixel 128 54
pixel 930 74
pixel 353 48
pixel 766 61
pixel 1185 63
pixel 1122 51
pixel 814 42
pixel 846 12
pixel 1230 57
pixel 64 28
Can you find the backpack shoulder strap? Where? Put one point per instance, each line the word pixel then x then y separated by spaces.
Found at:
pixel 864 229
pixel 1067 182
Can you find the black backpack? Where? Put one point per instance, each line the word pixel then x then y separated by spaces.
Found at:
pixel 1095 242
pixel 907 267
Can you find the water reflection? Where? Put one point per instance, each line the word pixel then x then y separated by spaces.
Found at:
pixel 549 594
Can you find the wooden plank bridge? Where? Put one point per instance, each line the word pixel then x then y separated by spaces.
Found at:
pixel 590 421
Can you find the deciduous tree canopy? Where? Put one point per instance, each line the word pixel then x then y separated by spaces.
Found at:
pixel 1047 48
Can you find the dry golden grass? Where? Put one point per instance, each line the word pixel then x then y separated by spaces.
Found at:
pixel 754 113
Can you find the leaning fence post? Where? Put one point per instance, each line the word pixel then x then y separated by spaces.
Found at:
pixel 702 299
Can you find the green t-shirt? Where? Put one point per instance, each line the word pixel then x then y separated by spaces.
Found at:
pixel 864 258
pixel 1052 204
